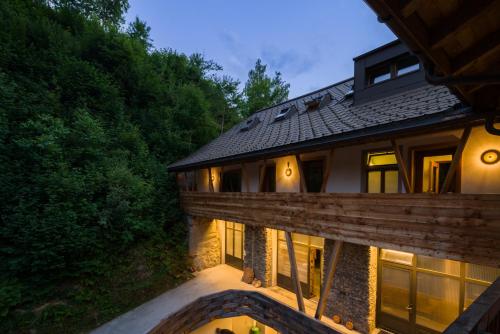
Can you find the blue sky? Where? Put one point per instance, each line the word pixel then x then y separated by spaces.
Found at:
pixel 311 43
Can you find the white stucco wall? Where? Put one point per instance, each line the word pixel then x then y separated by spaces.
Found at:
pixel 478 177
pixel 347 168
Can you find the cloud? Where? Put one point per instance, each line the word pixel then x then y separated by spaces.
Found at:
pixel 291 62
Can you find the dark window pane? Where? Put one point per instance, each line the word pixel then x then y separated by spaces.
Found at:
pixel 231 181
pixel 378 74
pixel 313 172
pixel 270 179
pixel 407 65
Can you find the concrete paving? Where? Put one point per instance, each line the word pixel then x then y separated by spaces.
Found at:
pixel 144 318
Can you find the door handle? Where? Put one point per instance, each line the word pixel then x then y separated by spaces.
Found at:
pixel 409 308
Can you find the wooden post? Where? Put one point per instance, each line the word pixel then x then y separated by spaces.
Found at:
pixel 402 167
pixel 327 285
pixel 221 178
pixel 329 164
pixel 246 176
pixel 456 160
pixel 294 271
pixel 210 181
pixel 262 176
pixel 186 187
pixel 301 173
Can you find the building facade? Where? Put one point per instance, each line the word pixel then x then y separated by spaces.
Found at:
pixel 376 197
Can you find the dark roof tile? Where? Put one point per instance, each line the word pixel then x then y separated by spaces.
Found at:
pixel 338 117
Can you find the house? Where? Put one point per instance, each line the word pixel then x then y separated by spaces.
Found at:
pixel 377 198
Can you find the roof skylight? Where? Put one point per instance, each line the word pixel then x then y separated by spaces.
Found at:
pixel 250 123
pixel 285 112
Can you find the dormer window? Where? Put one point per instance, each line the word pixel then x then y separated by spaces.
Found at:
pixel 407 65
pixel 379 74
pixel 392 69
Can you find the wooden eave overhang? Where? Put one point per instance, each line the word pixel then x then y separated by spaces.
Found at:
pixel 457 41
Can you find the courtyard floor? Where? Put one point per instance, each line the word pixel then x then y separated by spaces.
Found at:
pixel 222 277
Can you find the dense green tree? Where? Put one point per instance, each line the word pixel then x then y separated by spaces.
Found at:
pixel 90 118
pixel 107 11
pixel 140 30
pixel 262 91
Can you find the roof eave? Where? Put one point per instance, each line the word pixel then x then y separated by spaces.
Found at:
pixel 444 120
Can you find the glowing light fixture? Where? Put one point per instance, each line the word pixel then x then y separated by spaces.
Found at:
pixel 288 170
pixel 490 157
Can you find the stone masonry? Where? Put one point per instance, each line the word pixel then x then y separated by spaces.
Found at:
pixel 204 243
pixel 258 253
pixel 353 295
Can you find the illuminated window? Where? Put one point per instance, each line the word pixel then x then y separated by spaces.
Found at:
pixel 382 173
pixel 442 289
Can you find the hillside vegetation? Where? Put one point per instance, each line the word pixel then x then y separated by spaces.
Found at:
pixel 91 114
pixel 90 117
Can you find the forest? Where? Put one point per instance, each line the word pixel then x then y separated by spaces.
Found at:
pixel 91 113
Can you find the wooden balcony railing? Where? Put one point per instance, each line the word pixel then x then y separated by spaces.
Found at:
pixel 482 317
pixel 462 227
pixel 234 303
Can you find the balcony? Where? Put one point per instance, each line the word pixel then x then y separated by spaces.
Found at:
pixel 461 227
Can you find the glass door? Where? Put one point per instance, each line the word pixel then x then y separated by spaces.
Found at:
pixel 309 257
pixel 395 302
pixel 418 294
pixel 234 244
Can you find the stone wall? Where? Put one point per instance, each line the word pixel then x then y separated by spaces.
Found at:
pixel 258 253
pixel 353 294
pixel 204 243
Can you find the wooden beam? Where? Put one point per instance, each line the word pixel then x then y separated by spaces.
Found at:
pixel 221 177
pixel 210 181
pixel 262 176
pixel 328 281
pixel 437 225
pixel 186 187
pixel 294 271
pixel 303 184
pixel 474 54
pixel 411 7
pixel 402 167
pixel 456 160
pixel 458 20
pixel 246 176
pixel 326 176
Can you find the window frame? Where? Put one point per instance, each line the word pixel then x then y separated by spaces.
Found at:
pixel 222 177
pixel 383 168
pixel 392 64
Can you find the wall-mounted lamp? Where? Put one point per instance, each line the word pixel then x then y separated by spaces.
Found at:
pixel 212 178
pixel 288 170
pixel 490 157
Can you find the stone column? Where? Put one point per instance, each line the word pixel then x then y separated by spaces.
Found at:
pixel 353 295
pixel 258 253
pixel 204 243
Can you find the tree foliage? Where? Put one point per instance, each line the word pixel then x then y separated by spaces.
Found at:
pixel 262 91
pixel 90 117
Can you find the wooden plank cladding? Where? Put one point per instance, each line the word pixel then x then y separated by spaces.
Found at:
pixel 234 303
pixel 461 227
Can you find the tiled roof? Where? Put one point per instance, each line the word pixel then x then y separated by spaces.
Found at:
pixel 338 117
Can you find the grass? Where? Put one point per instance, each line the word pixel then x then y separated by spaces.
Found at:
pixel 146 271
